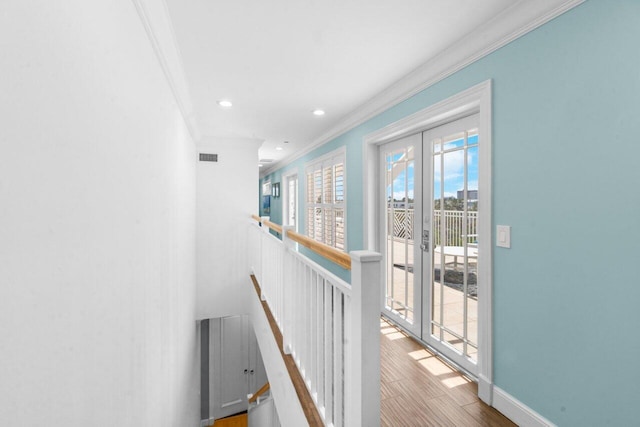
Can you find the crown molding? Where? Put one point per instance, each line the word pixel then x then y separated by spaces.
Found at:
pixel 157 24
pixel 514 22
pixel 251 144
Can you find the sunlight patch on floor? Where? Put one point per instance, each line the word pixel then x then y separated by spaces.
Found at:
pixel 395 336
pixel 419 354
pixel 435 366
pixel 455 382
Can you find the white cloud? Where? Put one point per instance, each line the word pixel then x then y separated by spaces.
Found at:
pixel 453 166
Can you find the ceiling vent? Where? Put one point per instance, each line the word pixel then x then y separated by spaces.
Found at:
pixel 265 161
pixel 204 157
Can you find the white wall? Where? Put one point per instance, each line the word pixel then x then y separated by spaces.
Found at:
pixel 97 223
pixel 226 198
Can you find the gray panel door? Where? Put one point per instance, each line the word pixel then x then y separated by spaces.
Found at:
pixel 236 364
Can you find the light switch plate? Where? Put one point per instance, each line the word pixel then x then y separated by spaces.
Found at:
pixel 503 236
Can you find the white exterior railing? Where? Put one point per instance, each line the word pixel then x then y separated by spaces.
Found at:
pixel 454 225
pixel 330 327
pixel 403 225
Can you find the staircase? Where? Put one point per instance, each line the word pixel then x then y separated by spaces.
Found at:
pixel 240 420
pixel 261 412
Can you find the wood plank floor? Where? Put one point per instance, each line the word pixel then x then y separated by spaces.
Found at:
pixel 233 421
pixel 418 389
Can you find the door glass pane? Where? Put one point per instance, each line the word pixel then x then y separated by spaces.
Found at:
pixel 454 141
pixel 399 189
pixel 451 228
pixel 454 223
pixel 436 289
pixel 472 246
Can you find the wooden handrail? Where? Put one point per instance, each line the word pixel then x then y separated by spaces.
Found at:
pixel 259 393
pixel 272 225
pixel 326 251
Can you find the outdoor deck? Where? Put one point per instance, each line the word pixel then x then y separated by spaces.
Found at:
pixel 453 302
pixel 418 389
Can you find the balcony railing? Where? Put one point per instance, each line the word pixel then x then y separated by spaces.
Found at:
pixel 403 226
pixel 328 326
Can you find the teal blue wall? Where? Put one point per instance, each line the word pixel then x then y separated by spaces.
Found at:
pixel 566 152
pixel 276 202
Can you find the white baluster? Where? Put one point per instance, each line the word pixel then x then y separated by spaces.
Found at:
pixel 328 352
pixel 339 405
pixel 288 302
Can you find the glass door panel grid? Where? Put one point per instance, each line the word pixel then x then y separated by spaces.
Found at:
pixel 454 225
pixel 399 193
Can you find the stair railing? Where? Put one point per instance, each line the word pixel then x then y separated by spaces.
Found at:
pixel 329 327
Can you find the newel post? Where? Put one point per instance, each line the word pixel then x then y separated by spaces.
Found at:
pixel 264 227
pixel 366 277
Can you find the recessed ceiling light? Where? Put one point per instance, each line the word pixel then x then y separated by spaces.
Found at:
pixel 318 112
pixel 225 103
pixel 259 165
pixel 279 148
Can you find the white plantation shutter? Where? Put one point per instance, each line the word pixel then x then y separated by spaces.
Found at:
pixel 325 200
pixel 317 186
pixel 339 183
pixel 339 221
pixel 327 183
pixel 328 227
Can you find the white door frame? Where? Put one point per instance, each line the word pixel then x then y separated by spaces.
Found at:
pixel 476 99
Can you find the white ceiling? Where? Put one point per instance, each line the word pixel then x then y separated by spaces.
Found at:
pixel 277 60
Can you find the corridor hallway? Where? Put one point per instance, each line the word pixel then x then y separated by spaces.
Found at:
pixel 418 389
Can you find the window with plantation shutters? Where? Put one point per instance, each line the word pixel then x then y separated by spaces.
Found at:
pixel 325 200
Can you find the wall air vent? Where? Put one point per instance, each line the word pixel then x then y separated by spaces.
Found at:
pixel 265 161
pixel 204 157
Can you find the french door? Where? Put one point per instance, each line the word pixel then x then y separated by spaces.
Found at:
pixel 430 237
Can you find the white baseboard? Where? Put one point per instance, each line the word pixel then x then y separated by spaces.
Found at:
pixel 485 390
pixel 517 411
pixel 206 423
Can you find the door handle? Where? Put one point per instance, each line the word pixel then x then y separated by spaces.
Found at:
pixel 246 370
pixel 251 372
pixel 425 241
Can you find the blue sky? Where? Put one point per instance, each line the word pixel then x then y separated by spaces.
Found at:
pixel 453 173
